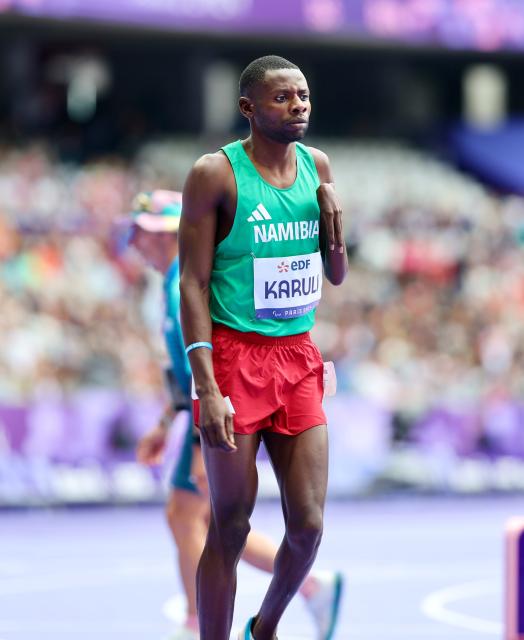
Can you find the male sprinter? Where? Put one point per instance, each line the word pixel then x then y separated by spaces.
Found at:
pixel 155 222
pixel 260 217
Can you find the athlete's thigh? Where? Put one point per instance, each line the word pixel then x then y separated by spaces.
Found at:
pixel 232 477
pixel 184 505
pixel 301 467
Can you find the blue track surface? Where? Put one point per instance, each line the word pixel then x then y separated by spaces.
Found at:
pixel 426 569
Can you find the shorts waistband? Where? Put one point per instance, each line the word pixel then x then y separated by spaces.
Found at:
pixel 252 337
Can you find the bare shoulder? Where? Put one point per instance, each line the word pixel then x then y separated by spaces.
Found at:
pixel 319 155
pixel 322 163
pixel 207 185
pixel 211 166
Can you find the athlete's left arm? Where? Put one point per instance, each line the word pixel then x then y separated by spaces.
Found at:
pixel 332 245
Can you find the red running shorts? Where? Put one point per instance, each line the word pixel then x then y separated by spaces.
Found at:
pixel 274 384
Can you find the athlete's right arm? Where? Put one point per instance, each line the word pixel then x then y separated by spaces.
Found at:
pixel 204 191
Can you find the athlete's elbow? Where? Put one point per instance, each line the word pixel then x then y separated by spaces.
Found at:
pixel 191 286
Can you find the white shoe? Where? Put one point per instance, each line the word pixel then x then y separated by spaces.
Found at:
pixel 324 604
pixel 183 633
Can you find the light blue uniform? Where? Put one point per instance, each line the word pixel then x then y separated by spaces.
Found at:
pixel 181 478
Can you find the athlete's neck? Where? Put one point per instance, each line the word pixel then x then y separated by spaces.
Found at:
pixel 276 157
pixel 275 162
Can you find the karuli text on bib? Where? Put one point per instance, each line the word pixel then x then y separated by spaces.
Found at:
pixel 287 287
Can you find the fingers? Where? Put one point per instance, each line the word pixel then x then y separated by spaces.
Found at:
pixel 331 216
pixel 148 456
pixel 339 234
pixel 334 232
pixel 205 436
pixel 224 437
pixel 216 423
pixel 143 451
pixel 330 231
pixel 230 434
pixel 219 434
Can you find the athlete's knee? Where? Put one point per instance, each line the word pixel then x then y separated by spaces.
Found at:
pixel 230 534
pixel 304 531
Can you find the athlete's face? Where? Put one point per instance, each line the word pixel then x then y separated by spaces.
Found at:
pixel 157 249
pixel 279 107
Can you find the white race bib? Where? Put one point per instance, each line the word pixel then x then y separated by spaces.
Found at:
pixel 287 288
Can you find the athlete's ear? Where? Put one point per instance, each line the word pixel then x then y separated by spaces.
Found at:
pixel 246 107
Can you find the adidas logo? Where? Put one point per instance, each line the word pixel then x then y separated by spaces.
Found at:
pixel 260 213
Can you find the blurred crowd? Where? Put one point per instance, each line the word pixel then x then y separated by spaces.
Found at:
pixel 428 326
pixel 72 313
pixel 430 321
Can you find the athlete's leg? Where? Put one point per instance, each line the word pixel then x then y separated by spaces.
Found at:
pixel 300 464
pixel 260 550
pixel 233 483
pixel 187 515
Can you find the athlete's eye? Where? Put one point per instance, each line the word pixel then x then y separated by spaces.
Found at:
pixel 280 98
pixel 304 97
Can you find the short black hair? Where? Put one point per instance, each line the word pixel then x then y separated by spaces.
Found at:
pixel 256 71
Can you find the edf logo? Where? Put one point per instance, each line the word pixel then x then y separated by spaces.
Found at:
pixel 298 265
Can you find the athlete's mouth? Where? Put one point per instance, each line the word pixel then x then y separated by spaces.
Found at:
pixel 297 122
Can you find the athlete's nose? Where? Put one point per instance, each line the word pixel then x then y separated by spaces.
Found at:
pixel 298 105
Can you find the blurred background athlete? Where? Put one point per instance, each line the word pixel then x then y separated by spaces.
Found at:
pixel 154 234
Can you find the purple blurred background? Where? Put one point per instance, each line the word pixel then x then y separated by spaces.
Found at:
pixel 487 25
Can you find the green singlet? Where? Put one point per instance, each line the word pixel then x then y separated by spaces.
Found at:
pixel 267 273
